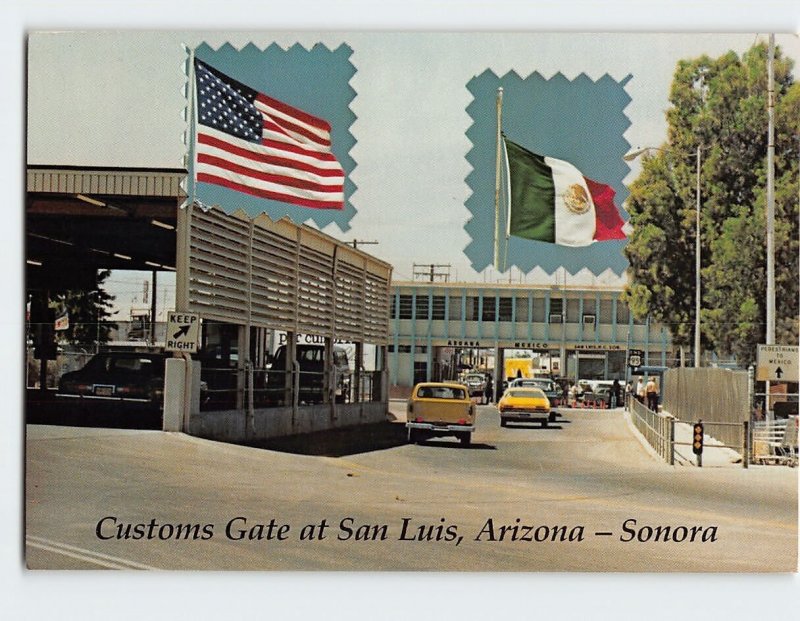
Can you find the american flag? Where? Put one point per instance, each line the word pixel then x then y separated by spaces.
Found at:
pixel 252 143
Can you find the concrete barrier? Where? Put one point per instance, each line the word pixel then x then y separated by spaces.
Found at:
pixel 230 425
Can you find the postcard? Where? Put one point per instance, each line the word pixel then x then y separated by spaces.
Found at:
pixel 411 301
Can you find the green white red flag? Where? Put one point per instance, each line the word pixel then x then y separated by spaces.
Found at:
pixel 552 201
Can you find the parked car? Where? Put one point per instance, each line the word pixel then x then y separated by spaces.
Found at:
pixel 117 376
pixel 603 394
pixel 440 409
pixel 525 405
pixel 311 362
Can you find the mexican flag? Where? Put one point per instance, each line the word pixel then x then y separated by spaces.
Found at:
pixel 551 201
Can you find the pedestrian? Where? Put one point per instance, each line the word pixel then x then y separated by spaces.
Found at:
pixel 615 393
pixel 628 390
pixel 488 389
pixel 651 390
pixel 640 390
pixel 573 395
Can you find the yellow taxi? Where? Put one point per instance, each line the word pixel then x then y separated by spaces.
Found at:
pixel 525 405
pixel 440 409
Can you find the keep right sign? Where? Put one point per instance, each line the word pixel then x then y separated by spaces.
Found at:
pixel 777 363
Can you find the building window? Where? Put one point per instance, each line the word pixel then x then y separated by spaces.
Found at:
pixel 616 365
pixel 454 313
pixel 573 311
pixel 622 312
pixel 405 307
pixel 437 312
pixel 606 311
pixel 471 312
pixel 522 310
pixel 505 312
pixel 539 310
pixel 590 306
pixel 422 306
pixel 406 349
pixel 489 313
pixel 420 372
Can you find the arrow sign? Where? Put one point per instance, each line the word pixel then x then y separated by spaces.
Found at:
pixel 183 330
pixel 776 362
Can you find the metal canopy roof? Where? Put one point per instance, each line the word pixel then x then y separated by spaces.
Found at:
pixel 80 220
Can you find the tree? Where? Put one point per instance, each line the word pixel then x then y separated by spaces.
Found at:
pixel 88 312
pixel 721 106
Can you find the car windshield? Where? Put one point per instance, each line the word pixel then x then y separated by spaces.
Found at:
pixel 124 363
pixel 440 392
pixel 543 384
pixel 131 364
pixel 526 393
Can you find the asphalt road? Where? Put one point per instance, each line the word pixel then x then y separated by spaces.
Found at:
pixel 584 495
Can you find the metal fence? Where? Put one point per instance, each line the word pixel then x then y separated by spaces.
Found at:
pixel 233 388
pixel 775 441
pixel 656 428
pixel 709 394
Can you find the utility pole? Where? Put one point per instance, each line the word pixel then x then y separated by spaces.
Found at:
pixel 363 242
pixel 771 193
pixel 697 283
pixel 432 272
pixel 770 302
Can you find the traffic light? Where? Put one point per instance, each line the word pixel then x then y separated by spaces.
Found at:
pixel 697 441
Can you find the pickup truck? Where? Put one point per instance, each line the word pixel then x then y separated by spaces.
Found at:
pixel 440 409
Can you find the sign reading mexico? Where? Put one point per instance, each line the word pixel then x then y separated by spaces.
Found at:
pixel 183 332
pixel 777 363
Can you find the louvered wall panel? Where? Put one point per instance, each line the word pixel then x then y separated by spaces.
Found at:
pixel 315 292
pixel 349 298
pixel 286 278
pixel 218 267
pixel 273 293
pixel 376 307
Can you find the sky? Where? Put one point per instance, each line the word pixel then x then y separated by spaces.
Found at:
pixel 412 115
pixel 78 105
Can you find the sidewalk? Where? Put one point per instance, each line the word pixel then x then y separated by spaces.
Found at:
pixel 714 454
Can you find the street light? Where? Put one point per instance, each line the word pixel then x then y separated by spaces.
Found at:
pixel 632 156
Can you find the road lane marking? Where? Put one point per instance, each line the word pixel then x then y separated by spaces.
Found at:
pixel 89 556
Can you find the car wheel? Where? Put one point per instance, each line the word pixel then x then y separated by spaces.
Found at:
pixel 466 439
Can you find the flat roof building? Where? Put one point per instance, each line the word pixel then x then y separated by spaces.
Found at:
pixel 438 329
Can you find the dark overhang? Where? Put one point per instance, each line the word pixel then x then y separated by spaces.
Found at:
pixel 79 220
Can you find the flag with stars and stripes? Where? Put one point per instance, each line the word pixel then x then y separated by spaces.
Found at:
pixel 252 143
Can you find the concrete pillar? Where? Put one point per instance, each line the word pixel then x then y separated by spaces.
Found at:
pixel 174 394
